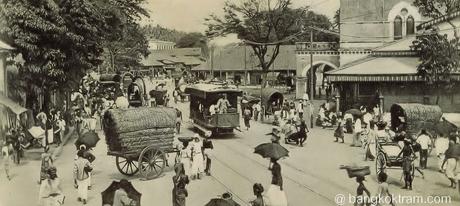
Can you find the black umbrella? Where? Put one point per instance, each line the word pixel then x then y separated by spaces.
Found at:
pixel 185 139
pixel 109 193
pixel 271 150
pixel 222 202
pixel 354 112
pixel 89 139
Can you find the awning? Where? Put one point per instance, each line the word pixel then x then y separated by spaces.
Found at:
pixel 14 107
pixel 378 69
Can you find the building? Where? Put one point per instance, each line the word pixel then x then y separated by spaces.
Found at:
pixel 172 62
pixel 161 45
pixel 374 59
pixel 240 64
pixel 5 102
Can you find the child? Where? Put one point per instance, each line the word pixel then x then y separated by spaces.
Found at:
pixel 360 199
pixel 339 133
pixel 383 194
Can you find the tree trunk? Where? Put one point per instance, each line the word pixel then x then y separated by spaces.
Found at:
pixel 264 79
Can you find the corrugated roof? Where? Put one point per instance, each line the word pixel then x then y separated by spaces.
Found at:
pixel 233 59
pixel 380 66
pixel 400 45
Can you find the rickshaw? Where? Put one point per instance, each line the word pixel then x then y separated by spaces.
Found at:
pixel 272 100
pixel 137 95
pixel 202 97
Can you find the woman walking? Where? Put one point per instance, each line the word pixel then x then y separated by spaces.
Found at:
pixel 197 158
pixel 81 169
pixel 451 165
pixel 339 133
pixel 50 190
pixel 275 193
pixel 185 157
pixel 357 134
pixel 180 180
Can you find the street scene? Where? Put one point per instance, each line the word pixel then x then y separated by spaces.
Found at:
pixel 216 103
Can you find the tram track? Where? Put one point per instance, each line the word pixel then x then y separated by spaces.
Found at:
pixel 251 181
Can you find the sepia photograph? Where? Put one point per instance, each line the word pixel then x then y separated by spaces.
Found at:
pixel 230 102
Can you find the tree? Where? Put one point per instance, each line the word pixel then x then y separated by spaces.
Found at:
pixel 317 20
pixel 336 23
pixel 194 39
pixel 259 23
pixel 438 54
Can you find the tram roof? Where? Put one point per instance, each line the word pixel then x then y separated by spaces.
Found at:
pixel 202 89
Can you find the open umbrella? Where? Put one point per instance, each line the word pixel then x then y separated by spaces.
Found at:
pixel 89 139
pixel 354 112
pixel 109 193
pixel 221 202
pixel 271 150
pixel 185 139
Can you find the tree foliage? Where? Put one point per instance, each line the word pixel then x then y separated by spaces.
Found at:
pixel 60 40
pixel 259 23
pixel 161 33
pixel 194 39
pixel 438 8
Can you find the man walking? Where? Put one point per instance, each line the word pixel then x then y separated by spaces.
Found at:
pixel 256 108
pixel 300 109
pixel 81 171
pixel 425 143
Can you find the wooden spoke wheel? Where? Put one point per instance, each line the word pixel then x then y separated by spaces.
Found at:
pixel 380 163
pixel 126 166
pixel 152 161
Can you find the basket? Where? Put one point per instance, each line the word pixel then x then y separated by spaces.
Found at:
pixel 357 171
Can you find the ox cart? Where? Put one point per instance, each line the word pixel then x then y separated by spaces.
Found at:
pixel 140 138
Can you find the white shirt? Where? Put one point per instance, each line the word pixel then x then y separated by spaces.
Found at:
pixel 257 107
pixel 358 126
pixel 367 118
pixel 441 144
pixel 424 141
pixel 300 107
pixel 212 109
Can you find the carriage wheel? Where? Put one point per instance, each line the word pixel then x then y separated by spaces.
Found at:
pixel 152 161
pixel 126 166
pixel 380 163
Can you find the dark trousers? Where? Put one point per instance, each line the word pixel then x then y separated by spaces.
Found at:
pixel 423 158
pixel 208 165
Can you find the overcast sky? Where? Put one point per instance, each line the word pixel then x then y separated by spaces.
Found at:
pixel 188 15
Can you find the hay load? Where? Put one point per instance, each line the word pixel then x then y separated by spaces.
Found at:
pixel 415 116
pixel 131 130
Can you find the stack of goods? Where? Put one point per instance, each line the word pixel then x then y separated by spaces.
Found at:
pixel 356 171
pixel 131 130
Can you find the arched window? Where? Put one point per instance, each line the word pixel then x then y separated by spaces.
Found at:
pixel 410 25
pixel 397 28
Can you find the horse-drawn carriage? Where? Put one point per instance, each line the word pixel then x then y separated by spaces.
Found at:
pixel 139 138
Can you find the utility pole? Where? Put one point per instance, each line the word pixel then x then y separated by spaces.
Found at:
pixel 312 73
pixel 220 70
pixel 245 68
pixel 212 62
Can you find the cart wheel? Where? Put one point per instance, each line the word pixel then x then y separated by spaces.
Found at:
pixel 126 166
pixel 380 163
pixel 151 162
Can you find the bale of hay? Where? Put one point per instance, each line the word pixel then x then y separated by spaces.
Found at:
pixel 417 116
pixel 131 130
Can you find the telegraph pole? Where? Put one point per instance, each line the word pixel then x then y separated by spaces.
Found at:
pixel 312 74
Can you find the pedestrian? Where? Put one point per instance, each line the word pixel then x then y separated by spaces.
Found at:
pixel 6 153
pixel 17 148
pixel 451 164
pixel 300 109
pixel 176 96
pixel 178 120
pixel 357 133
pixel 441 145
pixel 425 143
pixel 285 110
pixel 257 109
pixel 207 145
pixel 223 104
pixel 360 199
pixel 275 194
pixel 302 133
pixel 180 180
pixel 46 163
pixel 258 189
pixel 339 133
pixel 407 153
pixel 247 117
pixel 81 169
pixel 120 197
pixel 185 157
pixel 50 190
pixel 90 157
pixel 383 193
pixel 197 158
pixel 275 135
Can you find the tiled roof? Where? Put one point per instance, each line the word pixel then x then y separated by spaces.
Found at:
pixel 233 59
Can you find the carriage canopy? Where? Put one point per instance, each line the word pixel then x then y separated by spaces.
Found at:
pixel 415 116
pixel 270 95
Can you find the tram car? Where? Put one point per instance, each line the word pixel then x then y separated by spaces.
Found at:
pixel 204 108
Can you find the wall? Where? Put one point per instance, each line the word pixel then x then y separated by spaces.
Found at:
pixel 3 87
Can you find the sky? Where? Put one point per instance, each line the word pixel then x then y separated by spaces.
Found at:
pixel 189 15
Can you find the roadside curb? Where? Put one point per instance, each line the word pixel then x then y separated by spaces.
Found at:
pixel 65 140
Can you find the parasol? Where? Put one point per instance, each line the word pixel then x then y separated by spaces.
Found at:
pixel 271 150
pixel 221 202
pixel 354 112
pixel 185 139
pixel 89 139
pixel 109 193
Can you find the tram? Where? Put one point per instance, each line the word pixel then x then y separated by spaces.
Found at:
pixel 204 108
